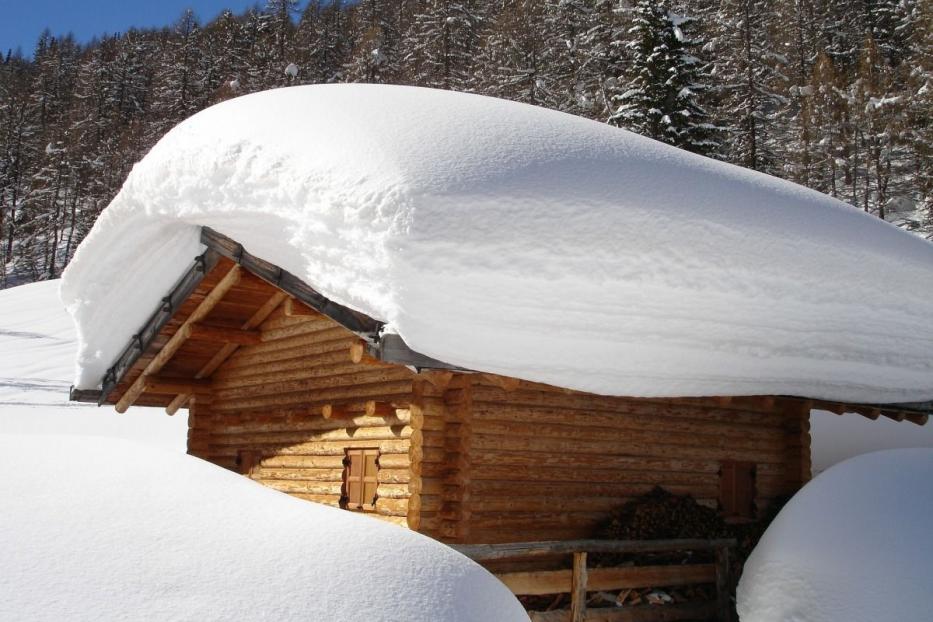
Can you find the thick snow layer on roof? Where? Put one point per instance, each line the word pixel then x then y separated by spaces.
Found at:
pixel 511 239
pixel 853 545
pixel 101 529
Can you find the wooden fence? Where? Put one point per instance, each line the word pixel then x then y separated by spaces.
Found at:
pixel 581 579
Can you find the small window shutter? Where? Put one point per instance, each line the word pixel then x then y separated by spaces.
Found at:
pixel 737 489
pixel 360 479
pixel 353 478
pixel 370 479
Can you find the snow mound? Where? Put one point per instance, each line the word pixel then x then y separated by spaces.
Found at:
pixel 37 351
pixel 111 530
pixel 511 239
pixel 853 545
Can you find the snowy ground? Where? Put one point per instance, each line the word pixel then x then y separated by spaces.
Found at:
pixel 169 537
pixel 37 349
pixel 854 545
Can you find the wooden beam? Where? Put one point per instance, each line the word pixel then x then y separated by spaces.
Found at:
pixel 539 582
pixel 162 384
pixel 180 400
pixel 917 418
pixel 178 339
pixel 295 308
pixel 511 550
pixel 229 348
pixel 223 334
pixel 506 383
pixel 578 588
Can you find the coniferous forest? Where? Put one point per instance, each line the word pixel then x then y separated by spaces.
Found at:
pixel 836 95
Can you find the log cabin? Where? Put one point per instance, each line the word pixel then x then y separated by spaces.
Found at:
pixel 492 323
pixel 309 397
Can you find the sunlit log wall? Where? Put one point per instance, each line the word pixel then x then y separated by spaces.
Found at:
pixel 471 457
pixel 269 402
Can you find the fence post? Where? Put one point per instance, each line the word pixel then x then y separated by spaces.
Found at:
pixel 578 588
pixel 723 585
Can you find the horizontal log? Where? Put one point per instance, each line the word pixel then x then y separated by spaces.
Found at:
pixel 303 474
pixel 311 436
pixel 645 448
pixel 392 507
pixel 392 491
pixel 633 577
pixel 588 402
pixel 223 334
pixel 357 377
pixel 324 331
pixel 164 384
pixel 285 350
pixel 394 461
pixel 326 364
pixel 304 487
pixel 644 416
pixel 303 462
pixel 322 448
pixel 592 461
pixel 380 392
pixel 578 485
pixel 392 476
pixel 659 433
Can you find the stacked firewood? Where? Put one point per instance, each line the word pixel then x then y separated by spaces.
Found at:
pixel 661 515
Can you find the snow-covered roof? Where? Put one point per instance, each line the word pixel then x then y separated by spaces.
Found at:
pixel 94 530
pixel 511 239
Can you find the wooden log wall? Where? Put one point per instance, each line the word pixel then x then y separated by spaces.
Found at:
pixel 291 405
pixel 545 463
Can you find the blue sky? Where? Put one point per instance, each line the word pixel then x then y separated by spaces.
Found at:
pixel 21 21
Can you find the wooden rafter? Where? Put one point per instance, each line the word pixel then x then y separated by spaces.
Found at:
pixel 229 348
pixel 178 339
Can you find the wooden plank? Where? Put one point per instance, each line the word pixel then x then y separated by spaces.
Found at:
pixel 509 550
pixel 223 334
pixel 578 588
pixel 163 384
pixel 179 338
pixel 538 582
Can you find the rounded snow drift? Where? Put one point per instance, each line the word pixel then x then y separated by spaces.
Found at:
pixel 98 529
pixel 853 545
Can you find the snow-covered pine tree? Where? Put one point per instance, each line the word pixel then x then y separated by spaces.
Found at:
pixel 750 79
pixel 664 81
pixel 513 62
pixel 575 85
pixel 377 50
pixel 441 43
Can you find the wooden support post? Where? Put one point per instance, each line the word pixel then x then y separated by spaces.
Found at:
pixel 178 339
pixel 723 585
pixel 578 587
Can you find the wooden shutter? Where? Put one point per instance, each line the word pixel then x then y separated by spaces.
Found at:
pixel 737 489
pixel 360 479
